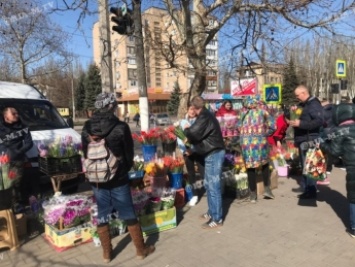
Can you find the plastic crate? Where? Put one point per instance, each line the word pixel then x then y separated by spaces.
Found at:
pixel 53 166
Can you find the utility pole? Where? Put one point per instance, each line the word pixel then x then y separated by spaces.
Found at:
pixel 141 71
pixel 105 47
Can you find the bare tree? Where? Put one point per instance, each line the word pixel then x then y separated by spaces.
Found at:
pixel 28 37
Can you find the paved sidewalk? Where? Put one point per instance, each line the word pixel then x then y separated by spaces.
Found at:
pixel 277 233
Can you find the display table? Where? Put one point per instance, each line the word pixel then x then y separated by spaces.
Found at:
pixel 59 178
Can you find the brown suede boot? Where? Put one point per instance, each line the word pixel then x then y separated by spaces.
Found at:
pixel 137 237
pixel 105 239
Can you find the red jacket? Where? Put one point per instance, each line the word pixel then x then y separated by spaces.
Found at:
pixel 280 132
pixel 223 111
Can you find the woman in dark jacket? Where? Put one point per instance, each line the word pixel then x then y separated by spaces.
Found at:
pixel 15 141
pixel 341 143
pixel 114 194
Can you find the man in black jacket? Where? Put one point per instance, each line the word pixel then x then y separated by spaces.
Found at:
pixel 206 137
pixel 114 194
pixel 306 132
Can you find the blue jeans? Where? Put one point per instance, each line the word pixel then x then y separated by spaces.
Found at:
pixel 307 181
pixel 118 199
pixel 212 182
pixel 352 216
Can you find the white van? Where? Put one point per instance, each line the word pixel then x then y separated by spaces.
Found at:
pixel 45 124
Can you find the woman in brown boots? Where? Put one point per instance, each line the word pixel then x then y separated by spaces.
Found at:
pixel 114 194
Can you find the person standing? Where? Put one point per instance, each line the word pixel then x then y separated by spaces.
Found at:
pixel 16 140
pixel 279 135
pixel 206 137
pixel 226 109
pixel 342 145
pixel 306 132
pixel 191 157
pixel 136 118
pixel 127 117
pixel 254 127
pixel 114 194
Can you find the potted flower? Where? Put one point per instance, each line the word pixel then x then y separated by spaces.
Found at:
pixel 175 167
pixel 137 170
pixel 149 141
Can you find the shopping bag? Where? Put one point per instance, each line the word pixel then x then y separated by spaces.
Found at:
pixel 314 165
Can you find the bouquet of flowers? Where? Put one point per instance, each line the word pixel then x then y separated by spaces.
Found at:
pixel 179 132
pixel 174 164
pixel 140 200
pixel 147 138
pixel 156 169
pixel 67 211
pixel 291 150
pixel 168 135
pixel 239 165
pixel 9 172
pixel 277 156
pixel 138 164
pixel 295 112
pixel 62 147
pixel 315 166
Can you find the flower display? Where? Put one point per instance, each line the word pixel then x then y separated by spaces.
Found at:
pixel 295 112
pixel 8 172
pixel 174 164
pixel 168 135
pixel 140 200
pixel 147 138
pixel 67 211
pixel 138 164
pixel 61 147
pixel 156 168
pixel 278 155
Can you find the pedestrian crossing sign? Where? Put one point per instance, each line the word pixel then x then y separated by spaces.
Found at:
pixel 340 68
pixel 272 93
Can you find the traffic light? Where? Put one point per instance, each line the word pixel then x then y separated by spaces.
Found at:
pixel 123 19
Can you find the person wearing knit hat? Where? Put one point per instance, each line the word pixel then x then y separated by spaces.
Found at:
pixel 114 194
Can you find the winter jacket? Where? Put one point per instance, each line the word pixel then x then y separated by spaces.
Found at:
pixel 280 133
pixel 342 143
pixel 15 140
pixel 223 111
pixel 119 140
pixel 328 120
pixel 311 121
pixel 205 134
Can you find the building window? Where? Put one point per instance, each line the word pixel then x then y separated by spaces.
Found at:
pixel 213 42
pixel 132 61
pixel 211 73
pixel 156 23
pixel 210 52
pixel 157 79
pixel 131 50
pixel 132 82
pixel 117 64
pixel 158 84
pixel 131 39
pixel 210 22
pixel 132 74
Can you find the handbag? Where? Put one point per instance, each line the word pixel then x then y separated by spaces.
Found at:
pixel 315 165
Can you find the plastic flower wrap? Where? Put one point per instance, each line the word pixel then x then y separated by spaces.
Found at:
pixel 295 112
pixel 61 147
pixel 9 172
pixel 67 211
pixel 140 200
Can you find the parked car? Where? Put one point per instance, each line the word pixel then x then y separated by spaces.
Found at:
pixel 45 124
pixel 162 119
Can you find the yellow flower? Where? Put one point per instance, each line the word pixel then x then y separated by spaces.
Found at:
pixel 298 111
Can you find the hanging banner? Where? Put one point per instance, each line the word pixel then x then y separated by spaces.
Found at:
pixel 244 87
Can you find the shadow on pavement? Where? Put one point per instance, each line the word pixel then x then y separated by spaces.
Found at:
pixel 338 202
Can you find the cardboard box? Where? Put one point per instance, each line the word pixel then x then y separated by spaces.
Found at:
pixel 21 224
pixel 64 239
pixel 273 180
pixel 159 221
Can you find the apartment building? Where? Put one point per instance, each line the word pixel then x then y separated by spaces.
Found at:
pixel 160 38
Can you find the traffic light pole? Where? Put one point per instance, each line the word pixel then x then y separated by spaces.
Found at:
pixel 105 47
pixel 141 70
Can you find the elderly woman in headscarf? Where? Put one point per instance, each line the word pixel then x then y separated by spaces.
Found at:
pixel 255 125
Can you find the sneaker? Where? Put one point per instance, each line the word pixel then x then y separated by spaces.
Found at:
pixel 326 181
pixel 193 201
pixel 343 169
pixel 328 172
pixel 205 217
pixel 351 232
pixel 211 224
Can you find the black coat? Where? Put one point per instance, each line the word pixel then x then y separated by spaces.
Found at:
pixel 15 140
pixel 312 119
pixel 119 140
pixel 342 144
pixel 205 134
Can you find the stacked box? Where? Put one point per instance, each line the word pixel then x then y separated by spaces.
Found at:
pixel 158 221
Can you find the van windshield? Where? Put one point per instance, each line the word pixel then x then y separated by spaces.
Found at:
pixel 38 115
